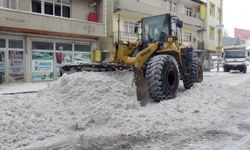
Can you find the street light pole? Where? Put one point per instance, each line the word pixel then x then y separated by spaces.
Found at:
pixel 219 49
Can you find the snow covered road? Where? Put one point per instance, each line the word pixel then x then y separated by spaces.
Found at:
pixel 100 111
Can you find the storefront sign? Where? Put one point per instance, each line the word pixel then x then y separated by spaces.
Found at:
pixel 42 66
pixel 16 66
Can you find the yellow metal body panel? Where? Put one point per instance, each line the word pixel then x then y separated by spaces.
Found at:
pixel 173 49
pixel 123 51
pixel 141 57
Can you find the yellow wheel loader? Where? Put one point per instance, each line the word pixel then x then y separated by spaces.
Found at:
pixel 157 59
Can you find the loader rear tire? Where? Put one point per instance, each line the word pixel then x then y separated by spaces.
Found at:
pixel 162 75
pixel 197 70
pixel 196 74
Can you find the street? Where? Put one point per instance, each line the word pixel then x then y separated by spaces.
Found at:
pixel 100 111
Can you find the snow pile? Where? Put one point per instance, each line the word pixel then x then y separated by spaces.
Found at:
pixel 100 111
pixel 73 103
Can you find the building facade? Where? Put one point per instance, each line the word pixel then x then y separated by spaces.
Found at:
pixel 38 36
pixel 214 24
pixel 200 17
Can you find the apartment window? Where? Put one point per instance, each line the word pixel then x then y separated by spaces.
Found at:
pixel 188 11
pixel 187 37
pixel 5 3
pixel 66 11
pixel 212 9
pixel 128 27
pixel 59 8
pixel 36 6
pixel 211 33
pixel 48 7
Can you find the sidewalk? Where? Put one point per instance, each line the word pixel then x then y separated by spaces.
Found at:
pixel 22 88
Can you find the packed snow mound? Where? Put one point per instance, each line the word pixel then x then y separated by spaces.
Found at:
pixel 114 89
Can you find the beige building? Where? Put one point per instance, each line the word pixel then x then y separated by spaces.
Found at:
pixel 38 36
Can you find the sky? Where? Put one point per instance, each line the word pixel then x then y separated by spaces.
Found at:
pixel 236 15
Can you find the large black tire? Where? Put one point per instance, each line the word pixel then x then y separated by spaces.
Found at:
pixel 197 70
pixel 196 74
pixel 163 77
pixel 244 70
pixel 226 69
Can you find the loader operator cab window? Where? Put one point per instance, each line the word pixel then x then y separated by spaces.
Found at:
pixel 156 28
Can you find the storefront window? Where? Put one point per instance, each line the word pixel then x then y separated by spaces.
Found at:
pixel 62 59
pixel 42 45
pixel 42 66
pixel 1 67
pixel 2 43
pixel 16 66
pixel 16 44
pixel 82 48
pixel 63 47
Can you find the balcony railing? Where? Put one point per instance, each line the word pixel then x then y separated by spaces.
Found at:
pixel 125 36
pixel 32 22
pixel 190 20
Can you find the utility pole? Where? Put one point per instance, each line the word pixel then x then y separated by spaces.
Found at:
pixel 219 48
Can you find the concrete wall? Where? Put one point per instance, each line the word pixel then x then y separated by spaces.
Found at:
pixel 80 9
pixel 27 20
pixel 106 43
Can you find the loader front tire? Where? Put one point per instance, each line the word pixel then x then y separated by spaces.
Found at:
pixel 162 75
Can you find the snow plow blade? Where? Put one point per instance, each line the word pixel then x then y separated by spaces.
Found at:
pixel 140 81
pixel 93 68
pixel 141 87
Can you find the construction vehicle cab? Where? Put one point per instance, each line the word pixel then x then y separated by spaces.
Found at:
pixel 158 28
pixel 157 59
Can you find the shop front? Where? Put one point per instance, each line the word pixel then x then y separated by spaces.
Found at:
pixel 37 59
pixel 49 56
pixel 11 60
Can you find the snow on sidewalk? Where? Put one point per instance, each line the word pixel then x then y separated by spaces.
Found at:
pixel 22 88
